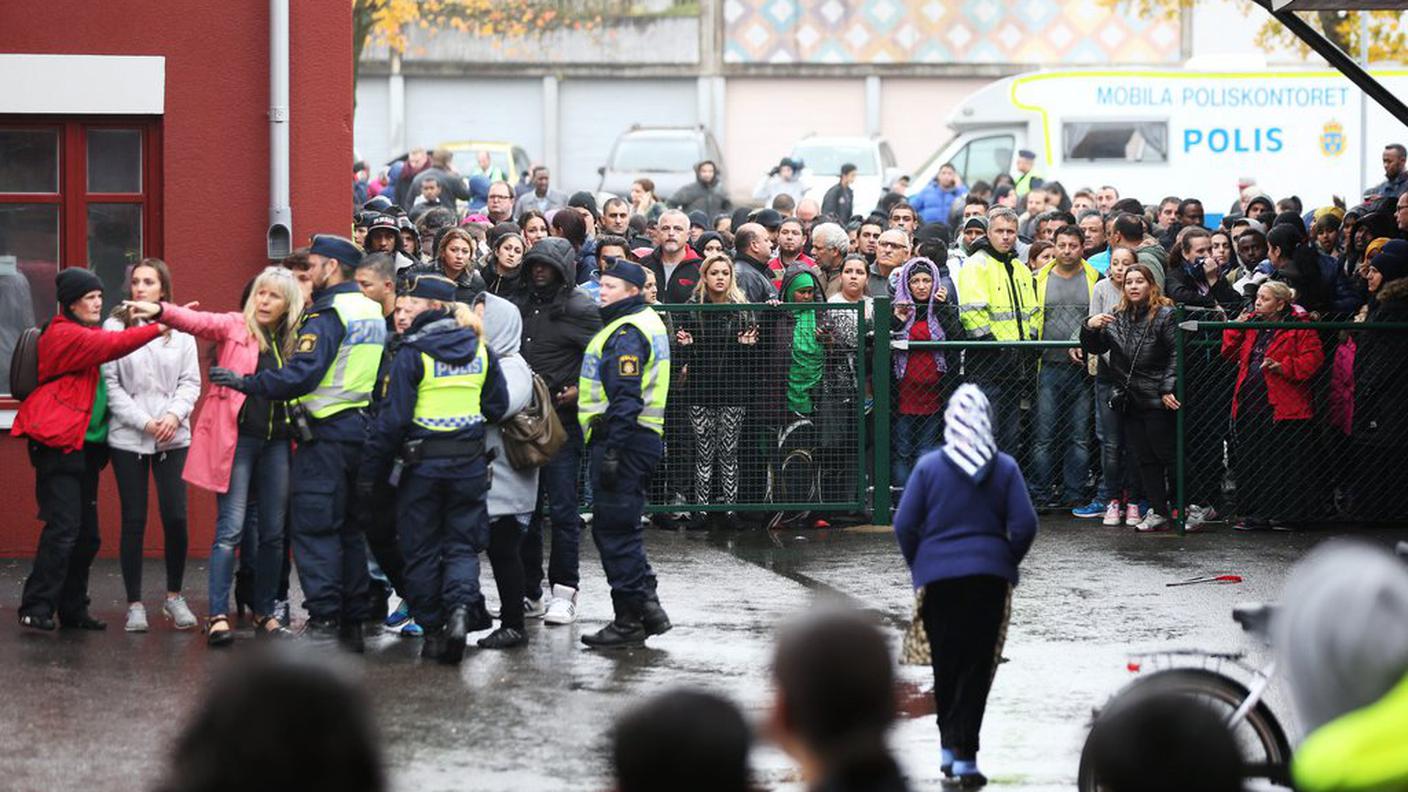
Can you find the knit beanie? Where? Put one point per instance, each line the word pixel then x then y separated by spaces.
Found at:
pixel 74 282
pixel 1392 260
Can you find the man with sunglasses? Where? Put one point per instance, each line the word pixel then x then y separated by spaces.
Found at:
pixel 623 388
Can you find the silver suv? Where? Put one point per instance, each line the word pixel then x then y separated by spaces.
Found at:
pixel 665 155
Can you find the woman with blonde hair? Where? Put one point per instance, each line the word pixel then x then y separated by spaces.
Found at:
pixel 241 443
pixel 1271 407
pixel 1138 338
pixel 716 346
pixel 151 394
pixel 427 440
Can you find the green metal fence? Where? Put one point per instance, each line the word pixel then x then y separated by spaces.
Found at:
pixel 767 410
pixel 761 422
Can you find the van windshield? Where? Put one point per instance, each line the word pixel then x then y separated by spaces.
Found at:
pixel 824 159
pixel 654 154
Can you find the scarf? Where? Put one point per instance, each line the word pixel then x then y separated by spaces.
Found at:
pixel 925 312
pixel 807 352
pixel 968 441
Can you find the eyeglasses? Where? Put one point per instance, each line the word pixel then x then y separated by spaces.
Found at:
pixel 891 245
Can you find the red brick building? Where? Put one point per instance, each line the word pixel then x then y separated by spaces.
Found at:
pixel 133 128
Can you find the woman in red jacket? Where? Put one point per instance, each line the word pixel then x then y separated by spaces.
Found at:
pixel 65 420
pixel 1271 408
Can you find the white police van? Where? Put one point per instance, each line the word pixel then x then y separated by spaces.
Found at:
pixel 1157 132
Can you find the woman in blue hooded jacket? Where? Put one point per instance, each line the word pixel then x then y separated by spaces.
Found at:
pixel 964 523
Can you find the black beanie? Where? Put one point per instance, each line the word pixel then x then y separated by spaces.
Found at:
pixel 74 282
pixel 1392 260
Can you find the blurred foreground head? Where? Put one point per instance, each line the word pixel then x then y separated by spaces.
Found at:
pixel 835 696
pixel 276 721
pixel 1164 743
pixel 683 741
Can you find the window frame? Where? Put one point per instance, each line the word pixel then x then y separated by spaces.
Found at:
pixel 72 195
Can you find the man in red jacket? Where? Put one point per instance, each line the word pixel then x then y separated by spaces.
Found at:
pixel 66 421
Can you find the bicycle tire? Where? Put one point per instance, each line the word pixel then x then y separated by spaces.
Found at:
pixel 1276 748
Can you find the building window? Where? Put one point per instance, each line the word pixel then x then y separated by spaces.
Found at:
pixel 1116 141
pixel 73 193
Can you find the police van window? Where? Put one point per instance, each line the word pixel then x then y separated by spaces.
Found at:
pixel 1121 141
pixel 887 156
pixel 985 158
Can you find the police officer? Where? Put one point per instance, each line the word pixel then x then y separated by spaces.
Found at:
pixel 328 382
pixel 621 406
pixel 444 384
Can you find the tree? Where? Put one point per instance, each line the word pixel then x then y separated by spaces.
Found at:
pixel 1387 40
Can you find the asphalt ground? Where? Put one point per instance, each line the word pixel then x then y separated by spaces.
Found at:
pixel 99 711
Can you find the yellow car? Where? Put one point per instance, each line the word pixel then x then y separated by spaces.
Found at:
pixel 511 159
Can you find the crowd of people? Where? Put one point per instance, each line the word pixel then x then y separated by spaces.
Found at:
pixel 502 289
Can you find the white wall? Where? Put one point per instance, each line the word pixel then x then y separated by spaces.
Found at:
pixel 594 112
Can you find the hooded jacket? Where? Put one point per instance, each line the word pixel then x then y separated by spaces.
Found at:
pixel 1381 372
pixel 434 333
pixel 57 413
pixel 513 492
pixel 679 287
pixel 559 320
pixel 1299 354
pixel 700 197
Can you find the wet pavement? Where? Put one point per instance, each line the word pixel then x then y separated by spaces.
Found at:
pixel 100 711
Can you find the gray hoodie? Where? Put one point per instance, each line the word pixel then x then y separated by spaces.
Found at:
pixel 513 492
pixel 1342 629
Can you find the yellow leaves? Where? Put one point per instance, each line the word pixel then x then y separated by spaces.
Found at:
pixel 491 19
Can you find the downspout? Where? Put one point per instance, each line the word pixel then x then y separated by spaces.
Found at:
pixel 280 213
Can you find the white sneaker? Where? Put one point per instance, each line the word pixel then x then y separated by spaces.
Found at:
pixel 1114 514
pixel 562 606
pixel 136 617
pixel 534 608
pixel 179 612
pixel 1151 523
pixel 1196 518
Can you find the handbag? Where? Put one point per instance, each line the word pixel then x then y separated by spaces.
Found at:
pixel 1119 396
pixel 915 650
pixel 533 436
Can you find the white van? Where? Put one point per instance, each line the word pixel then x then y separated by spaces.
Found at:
pixel 1157 132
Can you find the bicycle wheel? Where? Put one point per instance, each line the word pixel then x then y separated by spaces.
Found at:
pixel 1265 750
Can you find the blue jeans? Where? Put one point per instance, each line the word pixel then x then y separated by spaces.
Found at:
pixel 1118 470
pixel 616 513
pixel 915 435
pixel 557 490
pixel 1063 413
pixel 265 465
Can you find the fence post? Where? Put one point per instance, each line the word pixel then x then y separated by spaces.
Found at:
pixel 862 367
pixel 1179 515
pixel 880 377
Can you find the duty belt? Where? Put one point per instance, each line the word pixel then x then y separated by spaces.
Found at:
pixel 413 451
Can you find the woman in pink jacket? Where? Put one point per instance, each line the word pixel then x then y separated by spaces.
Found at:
pixel 241 441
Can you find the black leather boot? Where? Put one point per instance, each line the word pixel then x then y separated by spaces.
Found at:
pixel 654 618
pixel 456 628
pixel 433 647
pixel 349 634
pixel 504 638
pixel 625 631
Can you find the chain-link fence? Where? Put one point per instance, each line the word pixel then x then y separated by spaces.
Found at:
pixel 1292 423
pixel 766 411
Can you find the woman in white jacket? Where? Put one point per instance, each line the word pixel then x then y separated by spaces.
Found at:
pixel 150 395
pixel 513 494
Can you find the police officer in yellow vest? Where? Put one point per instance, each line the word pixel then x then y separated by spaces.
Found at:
pixel 428 441
pixel 621 406
pixel 328 381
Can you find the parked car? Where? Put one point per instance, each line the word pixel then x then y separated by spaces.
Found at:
pixel 507 157
pixel 822 158
pixel 665 155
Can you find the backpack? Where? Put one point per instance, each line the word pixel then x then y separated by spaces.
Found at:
pixel 533 436
pixel 24 364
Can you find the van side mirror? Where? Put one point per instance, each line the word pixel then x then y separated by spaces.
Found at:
pixel 601 171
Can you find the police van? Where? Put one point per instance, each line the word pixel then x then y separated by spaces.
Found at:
pixel 1157 132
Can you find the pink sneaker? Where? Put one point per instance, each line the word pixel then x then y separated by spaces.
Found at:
pixel 1131 514
pixel 1114 514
